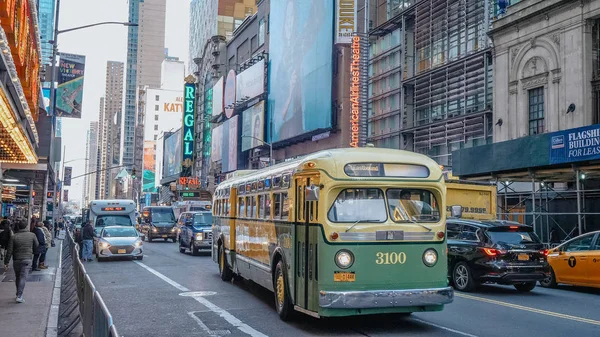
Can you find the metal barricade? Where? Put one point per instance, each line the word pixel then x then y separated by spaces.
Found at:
pixel 95 316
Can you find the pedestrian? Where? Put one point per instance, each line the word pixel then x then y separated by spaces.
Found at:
pixel 20 248
pixel 57 228
pixel 32 224
pixel 5 236
pixel 40 252
pixel 48 239
pixel 554 238
pixel 87 238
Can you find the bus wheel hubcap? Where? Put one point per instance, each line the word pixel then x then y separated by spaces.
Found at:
pixel 461 276
pixel 280 290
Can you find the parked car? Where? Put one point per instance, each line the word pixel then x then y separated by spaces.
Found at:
pixel 158 222
pixel 195 232
pixel 575 262
pixel 494 251
pixel 119 241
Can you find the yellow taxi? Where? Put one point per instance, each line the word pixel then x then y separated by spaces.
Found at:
pixel 576 262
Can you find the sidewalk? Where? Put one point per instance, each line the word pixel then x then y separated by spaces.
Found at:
pixel 28 319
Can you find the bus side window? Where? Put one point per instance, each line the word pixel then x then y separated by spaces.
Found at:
pixel 285 206
pixel 227 207
pixel 277 204
pixel 268 207
pixel 241 208
pixel 252 207
pixel 261 207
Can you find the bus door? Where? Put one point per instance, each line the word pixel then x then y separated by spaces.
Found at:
pixel 306 289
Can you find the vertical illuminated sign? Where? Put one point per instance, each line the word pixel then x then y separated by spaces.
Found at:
pixel 189 119
pixel 355 91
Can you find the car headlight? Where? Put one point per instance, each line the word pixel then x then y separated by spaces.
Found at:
pixel 137 243
pixel 198 236
pixel 344 259
pixel 154 229
pixel 430 257
pixel 173 229
pixel 104 245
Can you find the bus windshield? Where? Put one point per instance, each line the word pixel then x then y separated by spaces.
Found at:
pixel 113 220
pixel 356 204
pixel 409 205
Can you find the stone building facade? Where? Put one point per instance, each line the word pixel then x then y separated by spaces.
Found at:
pixel 545 65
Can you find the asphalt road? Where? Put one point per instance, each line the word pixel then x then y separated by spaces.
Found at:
pixel 174 294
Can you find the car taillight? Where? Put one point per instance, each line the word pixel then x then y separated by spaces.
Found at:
pixel 490 251
pixel 545 252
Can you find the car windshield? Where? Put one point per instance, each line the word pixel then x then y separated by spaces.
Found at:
pixel 113 220
pixel 116 232
pixel 358 204
pixel 163 215
pixel 410 205
pixel 513 238
pixel 203 219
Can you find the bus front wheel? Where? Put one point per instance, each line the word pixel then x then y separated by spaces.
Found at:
pixel 224 270
pixel 282 299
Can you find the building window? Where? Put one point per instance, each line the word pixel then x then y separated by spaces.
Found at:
pixel 157 98
pixel 155 117
pixel 156 108
pixel 261 32
pixel 536 111
pixel 155 127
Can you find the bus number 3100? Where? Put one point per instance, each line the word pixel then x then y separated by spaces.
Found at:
pixel 391 258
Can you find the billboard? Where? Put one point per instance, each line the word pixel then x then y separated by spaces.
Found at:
pixel 189 118
pixel 229 94
pixel 225 144
pixel 345 21
pixel 46 93
pixel 300 76
pixel 253 125
pixel 217 102
pixel 251 82
pixel 69 93
pixel 573 145
pixel 148 176
pixel 172 155
pixel 67 175
pixel 168 105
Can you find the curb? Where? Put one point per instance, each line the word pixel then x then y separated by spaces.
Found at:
pixel 52 325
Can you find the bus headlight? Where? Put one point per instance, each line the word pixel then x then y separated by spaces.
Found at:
pixel 199 236
pixel 430 257
pixel 344 259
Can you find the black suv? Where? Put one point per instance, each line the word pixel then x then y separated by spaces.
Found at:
pixel 158 222
pixel 494 251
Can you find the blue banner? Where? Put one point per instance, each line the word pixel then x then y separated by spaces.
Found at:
pixel 573 145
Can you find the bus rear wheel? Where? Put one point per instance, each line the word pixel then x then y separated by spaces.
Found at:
pixel 283 304
pixel 224 270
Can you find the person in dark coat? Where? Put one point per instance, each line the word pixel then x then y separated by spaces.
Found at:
pixel 87 239
pixel 20 248
pixel 41 249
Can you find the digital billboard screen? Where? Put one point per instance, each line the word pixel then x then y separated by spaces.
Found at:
pixel 300 76
pixel 172 154
pixel 253 126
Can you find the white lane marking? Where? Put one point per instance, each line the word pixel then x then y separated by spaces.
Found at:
pixel 198 294
pixel 206 328
pixel 443 327
pixel 208 304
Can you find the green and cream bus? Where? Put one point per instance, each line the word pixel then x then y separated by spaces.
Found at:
pixel 338 233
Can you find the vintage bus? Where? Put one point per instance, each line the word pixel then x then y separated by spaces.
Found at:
pixel 338 233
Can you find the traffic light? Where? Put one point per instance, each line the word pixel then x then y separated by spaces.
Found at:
pixel 133 173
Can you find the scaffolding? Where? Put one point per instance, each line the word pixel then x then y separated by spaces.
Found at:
pixel 562 199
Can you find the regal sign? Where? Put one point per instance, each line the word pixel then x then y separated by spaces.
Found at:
pixel 189 120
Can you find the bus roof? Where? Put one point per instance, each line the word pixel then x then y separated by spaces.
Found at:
pixel 335 161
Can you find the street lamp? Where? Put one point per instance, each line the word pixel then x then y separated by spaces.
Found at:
pixel 272 162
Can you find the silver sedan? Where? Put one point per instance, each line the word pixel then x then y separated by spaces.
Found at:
pixel 119 241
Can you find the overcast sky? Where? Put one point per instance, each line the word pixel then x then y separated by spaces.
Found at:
pixel 99 45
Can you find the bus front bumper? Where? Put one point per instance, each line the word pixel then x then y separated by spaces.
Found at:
pixel 385 298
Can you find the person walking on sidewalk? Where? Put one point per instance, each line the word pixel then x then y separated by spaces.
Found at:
pixel 48 239
pixel 40 253
pixel 20 248
pixel 5 236
pixel 87 238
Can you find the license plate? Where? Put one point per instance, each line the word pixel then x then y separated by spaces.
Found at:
pixel 523 257
pixel 121 251
pixel 344 276
pixel 164 236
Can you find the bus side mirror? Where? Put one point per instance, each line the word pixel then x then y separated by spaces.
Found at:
pixel 312 193
pixel 456 211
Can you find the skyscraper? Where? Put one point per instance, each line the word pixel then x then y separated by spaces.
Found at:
pixel 101 154
pixel 89 185
pixel 113 106
pixel 144 56
pixel 46 21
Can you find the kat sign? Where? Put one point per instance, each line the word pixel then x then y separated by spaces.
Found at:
pixel 189 118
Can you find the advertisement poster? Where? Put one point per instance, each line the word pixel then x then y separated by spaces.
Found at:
pixel 46 93
pixel 253 125
pixel 67 175
pixel 230 144
pixel 300 76
pixel 229 94
pixel 251 82
pixel 69 93
pixel 345 21
pixel 148 176
pixel 172 155
pixel 574 145
pixel 217 140
pixel 217 102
